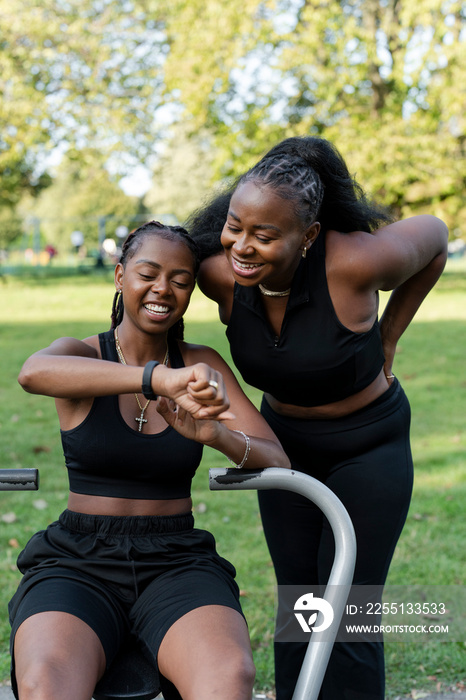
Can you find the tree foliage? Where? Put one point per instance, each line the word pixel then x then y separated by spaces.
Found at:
pixel 95 205
pixel 183 176
pixel 74 72
pixel 383 79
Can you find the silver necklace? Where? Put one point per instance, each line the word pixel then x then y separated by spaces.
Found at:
pixel 269 293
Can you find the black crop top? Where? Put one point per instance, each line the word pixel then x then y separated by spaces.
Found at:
pixel 315 360
pixel 106 457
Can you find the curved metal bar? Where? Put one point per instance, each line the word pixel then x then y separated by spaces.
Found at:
pixel 339 582
pixel 19 479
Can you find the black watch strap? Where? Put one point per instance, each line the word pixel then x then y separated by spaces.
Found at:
pixel 147 380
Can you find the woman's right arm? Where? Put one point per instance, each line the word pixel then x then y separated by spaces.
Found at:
pixel 71 369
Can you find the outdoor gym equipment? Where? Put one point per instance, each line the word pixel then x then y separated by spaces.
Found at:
pixel 132 676
pixel 19 479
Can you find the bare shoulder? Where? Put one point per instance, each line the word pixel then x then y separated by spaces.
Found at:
pixel 345 252
pixel 194 353
pixel 89 347
pixel 216 281
pixel 345 247
pixel 215 276
pixel 384 258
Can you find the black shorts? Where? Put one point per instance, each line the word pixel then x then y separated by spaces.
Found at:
pixel 121 574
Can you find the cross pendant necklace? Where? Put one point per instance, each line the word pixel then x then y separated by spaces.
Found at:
pixel 141 418
pixel 121 357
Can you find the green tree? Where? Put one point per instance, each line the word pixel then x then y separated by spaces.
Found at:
pixel 383 79
pixel 84 72
pixel 183 175
pixel 82 197
pixel 10 228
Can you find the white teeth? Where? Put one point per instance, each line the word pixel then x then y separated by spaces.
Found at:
pixel 157 309
pixel 247 266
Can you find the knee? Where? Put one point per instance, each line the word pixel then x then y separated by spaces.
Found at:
pixel 39 681
pixel 238 670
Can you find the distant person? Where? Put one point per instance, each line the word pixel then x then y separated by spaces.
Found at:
pixel 295 257
pixel 136 404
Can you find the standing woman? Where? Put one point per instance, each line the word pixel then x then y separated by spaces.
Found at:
pixel 296 273
pixel 135 405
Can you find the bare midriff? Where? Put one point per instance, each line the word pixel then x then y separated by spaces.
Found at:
pixel 338 409
pixel 105 505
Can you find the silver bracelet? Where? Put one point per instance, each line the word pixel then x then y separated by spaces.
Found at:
pixel 246 452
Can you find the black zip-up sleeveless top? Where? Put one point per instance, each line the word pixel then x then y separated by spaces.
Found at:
pixel 315 360
pixel 106 457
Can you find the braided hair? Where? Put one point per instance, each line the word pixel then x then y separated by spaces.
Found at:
pixel 311 174
pixel 132 244
pixel 343 205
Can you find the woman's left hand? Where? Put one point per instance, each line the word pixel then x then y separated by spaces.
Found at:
pixel 198 388
pixel 198 429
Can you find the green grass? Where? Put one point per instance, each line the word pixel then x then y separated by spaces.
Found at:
pixel 431 365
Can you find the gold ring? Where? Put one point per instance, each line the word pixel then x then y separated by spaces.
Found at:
pixel 213 384
pixel 390 376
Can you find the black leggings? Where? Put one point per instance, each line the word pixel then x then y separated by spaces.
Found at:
pixel 365 459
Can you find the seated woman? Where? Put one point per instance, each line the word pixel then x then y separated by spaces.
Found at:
pixel 135 406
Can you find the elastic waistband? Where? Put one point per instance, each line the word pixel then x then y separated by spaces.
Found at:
pixel 133 525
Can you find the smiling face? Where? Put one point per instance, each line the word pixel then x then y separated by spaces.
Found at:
pixel 263 238
pixel 156 282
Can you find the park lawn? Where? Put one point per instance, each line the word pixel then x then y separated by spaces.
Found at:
pixel 431 365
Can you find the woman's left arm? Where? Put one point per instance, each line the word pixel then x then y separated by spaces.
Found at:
pixel 413 255
pixel 246 438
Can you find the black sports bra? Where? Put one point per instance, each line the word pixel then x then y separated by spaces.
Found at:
pixel 106 457
pixel 315 360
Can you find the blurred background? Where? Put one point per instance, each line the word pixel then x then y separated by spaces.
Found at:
pixel 113 112
pixel 116 111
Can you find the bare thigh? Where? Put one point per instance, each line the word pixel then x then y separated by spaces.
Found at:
pixel 57 655
pixel 207 654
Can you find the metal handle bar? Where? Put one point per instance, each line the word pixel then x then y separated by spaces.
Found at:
pixel 339 582
pixel 19 479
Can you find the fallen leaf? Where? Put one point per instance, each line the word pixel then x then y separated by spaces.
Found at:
pixel 40 448
pixel 13 543
pixel 40 504
pixel 9 517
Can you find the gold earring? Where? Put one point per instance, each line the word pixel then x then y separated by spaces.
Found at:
pixel 304 253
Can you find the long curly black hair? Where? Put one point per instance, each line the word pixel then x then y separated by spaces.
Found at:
pixel 132 244
pixel 310 173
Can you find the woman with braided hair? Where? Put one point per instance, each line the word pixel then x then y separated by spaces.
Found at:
pixel 135 405
pixel 295 256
